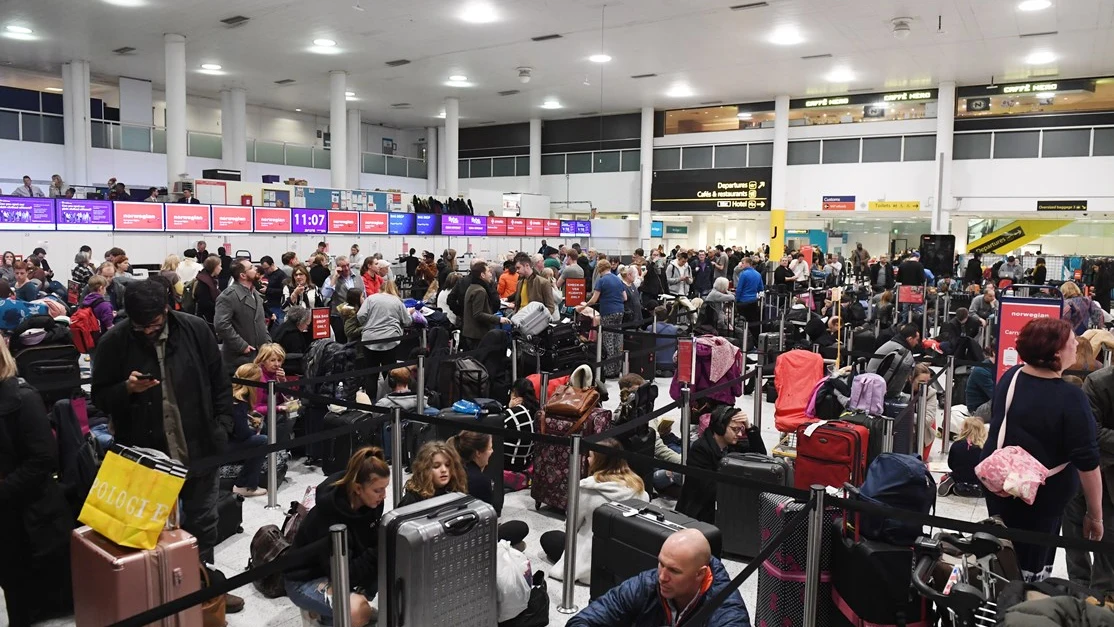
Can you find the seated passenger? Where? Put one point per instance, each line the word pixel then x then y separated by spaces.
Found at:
pixel 270 359
pixel 436 471
pixel 609 479
pixel 965 454
pixel 897 361
pixel 686 577
pixel 354 498
pixel 245 431
pixel 400 395
pixel 979 391
pixel 475 450
pixel 294 338
pixel 13 310
pixel 698 496
pixel 523 406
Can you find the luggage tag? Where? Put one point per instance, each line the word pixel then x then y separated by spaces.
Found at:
pixel 813 427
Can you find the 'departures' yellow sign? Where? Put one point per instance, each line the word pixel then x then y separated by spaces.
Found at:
pixel 894 205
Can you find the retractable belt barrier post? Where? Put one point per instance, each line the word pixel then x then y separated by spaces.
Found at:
pixel 1108 358
pixel 812 558
pixel 421 382
pixel 567 605
pixel 759 368
pixel 514 359
pixel 272 438
pixel 396 453
pixel 686 422
pixel 626 363
pixel 949 384
pixel 545 388
pixel 922 419
pixel 342 600
pixel 599 351
pixel 924 315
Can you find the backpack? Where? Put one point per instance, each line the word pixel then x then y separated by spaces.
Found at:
pixel 893 371
pixel 829 398
pixel 900 481
pixel 463 378
pixel 268 545
pixel 328 357
pixel 868 393
pixel 85 329
pixel 79 455
pixel 189 297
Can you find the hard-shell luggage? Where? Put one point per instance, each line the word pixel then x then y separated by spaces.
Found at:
pixel 54 370
pixel 879 429
pixel 437 563
pixel 369 427
pixel 870 583
pixel 560 335
pixel 461 378
pixel 666 348
pixel 627 536
pixel 904 414
pixel 531 320
pixel 117 583
pixel 830 454
pixel 795 375
pixel 495 464
pixel 564 359
pixel 551 461
pixel 781 579
pixel 230 515
pixel 642 356
pixel 735 506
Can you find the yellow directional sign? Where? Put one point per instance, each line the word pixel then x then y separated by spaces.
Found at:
pixel 894 205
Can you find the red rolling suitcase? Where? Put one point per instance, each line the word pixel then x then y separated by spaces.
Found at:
pixel 830 453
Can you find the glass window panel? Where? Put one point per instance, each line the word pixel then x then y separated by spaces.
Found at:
pixel 841 150
pixel 98 137
pixel 1020 145
pixel 322 159
pixel 879 149
pixel 631 161
pixel 579 163
pixel 606 161
pixel 804 153
pixel 299 155
pixel 266 152
pixel 32 127
pixel 921 147
pixel 760 155
pixel 462 169
pixel 504 166
pixel 53 131
pixel 1066 143
pixel 415 168
pixel 138 138
pixel 696 157
pixel 116 141
pixel 396 166
pixel 731 156
pixel 971 146
pixel 205 145
pixel 481 168
pixel 553 164
pixel 9 125
pixel 667 158
pixel 374 164
pixel 159 140
pixel 1104 142
pixel 522 166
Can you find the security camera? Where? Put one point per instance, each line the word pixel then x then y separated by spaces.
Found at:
pixel 524 74
pixel 901 27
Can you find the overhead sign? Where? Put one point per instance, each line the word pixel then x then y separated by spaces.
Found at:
pixel 344 221
pixel 657 228
pixel 186 217
pixel 1061 205
pixel 268 220
pixel 894 205
pixel 1032 87
pixel 722 189
pixel 232 219
pixel 1013 314
pixel 912 95
pixel 138 216
pixel 73 214
pixel 1014 235
pixel 676 230
pixel 574 292
pixel 839 203
pixel 26 214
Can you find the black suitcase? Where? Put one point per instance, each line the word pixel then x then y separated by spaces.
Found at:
pixel 230 515
pixel 54 370
pixel 560 335
pixel 904 414
pixel 564 359
pixel 736 507
pixel 625 543
pixel 340 449
pixel 870 582
pixel 494 470
pixel 878 426
pixel 643 364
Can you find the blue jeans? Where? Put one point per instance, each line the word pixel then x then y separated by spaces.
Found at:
pixel 252 467
pixel 278 313
pixel 314 596
pixel 103 437
pixel 664 478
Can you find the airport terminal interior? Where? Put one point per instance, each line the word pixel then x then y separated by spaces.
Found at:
pixel 805 248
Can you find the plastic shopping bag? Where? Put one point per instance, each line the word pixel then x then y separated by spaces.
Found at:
pixel 513 579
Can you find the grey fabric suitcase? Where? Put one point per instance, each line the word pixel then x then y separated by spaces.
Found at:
pixel 736 506
pixel 437 563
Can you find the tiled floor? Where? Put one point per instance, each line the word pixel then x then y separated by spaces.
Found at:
pixel 232 555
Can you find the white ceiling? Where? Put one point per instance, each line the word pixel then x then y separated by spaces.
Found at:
pixel 723 55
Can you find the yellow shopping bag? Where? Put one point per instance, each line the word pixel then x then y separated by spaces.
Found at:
pixel 132 497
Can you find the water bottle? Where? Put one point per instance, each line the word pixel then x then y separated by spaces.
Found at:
pixel 340 390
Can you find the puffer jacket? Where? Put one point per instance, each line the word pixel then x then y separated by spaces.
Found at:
pixel 1056 611
pixel 593 494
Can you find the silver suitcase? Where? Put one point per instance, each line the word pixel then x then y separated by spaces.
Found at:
pixel 437 564
pixel 532 320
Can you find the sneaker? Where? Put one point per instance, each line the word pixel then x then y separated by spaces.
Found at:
pixel 946 485
pixel 249 492
pixel 233 604
pixel 968 490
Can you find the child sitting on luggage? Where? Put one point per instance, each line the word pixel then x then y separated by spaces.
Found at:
pixel 245 431
pixel 964 455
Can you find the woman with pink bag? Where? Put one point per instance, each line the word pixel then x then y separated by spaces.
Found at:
pixel 1042 444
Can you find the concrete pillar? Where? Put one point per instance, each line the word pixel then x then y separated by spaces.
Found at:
pixel 945 131
pixel 646 157
pixel 452 146
pixel 338 132
pixel 779 179
pixel 442 166
pixel 355 132
pixel 432 162
pixel 175 107
pixel 233 128
pixel 75 122
pixel 958 226
pixel 535 156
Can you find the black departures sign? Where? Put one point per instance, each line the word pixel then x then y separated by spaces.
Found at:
pixel 721 189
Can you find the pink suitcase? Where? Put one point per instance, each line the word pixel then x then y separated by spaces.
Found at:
pixel 551 461
pixel 112 583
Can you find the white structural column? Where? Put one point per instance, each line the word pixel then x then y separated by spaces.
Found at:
pixel 355 130
pixel 75 121
pixel 452 146
pixel 175 107
pixel 646 158
pixel 779 180
pixel 945 131
pixel 442 167
pixel 432 163
pixel 535 156
pixel 338 133
pixel 233 128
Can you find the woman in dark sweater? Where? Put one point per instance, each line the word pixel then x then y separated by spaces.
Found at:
pixel 475 450
pixel 437 471
pixel 353 498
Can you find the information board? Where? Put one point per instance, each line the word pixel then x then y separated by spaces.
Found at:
pixel 271 220
pixel 574 292
pixel 344 221
pixel 551 228
pixel 516 227
pixel 400 224
pixel 583 228
pixel 426 224
pixel 320 323
pixel 496 226
pixel 374 223
pixel 452 225
pixel 26 214
pixel 657 228
pixel 1013 314
pixel 475 226
pixel 186 217
pixel 309 221
pixel 535 227
pixel 72 214
pixel 719 189
pixel 138 216
pixel 568 228
pixel 232 219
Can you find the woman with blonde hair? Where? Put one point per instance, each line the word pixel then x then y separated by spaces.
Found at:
pixel 437 470
pixel 1081 311
pixel 246 423
pixel 963 456
pixel 169 270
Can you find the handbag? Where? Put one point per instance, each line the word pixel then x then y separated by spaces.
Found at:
pixel 571 402
pixel 213 611
pixel 1011 470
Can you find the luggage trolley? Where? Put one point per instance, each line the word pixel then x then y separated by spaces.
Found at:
pixel 969 602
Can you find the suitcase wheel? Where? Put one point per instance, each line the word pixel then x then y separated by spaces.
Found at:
pixel 538 506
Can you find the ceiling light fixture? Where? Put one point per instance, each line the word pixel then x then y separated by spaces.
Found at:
pixel 1040 57
pixel 19 30
pixel 350 98
pixel 127 3
pixel 786 36
pixel 551 104
pixel 680 90
pixel 1044 95
pixel 1034 5
pixel 298 110
pixel 441 115
pixel 349 93
pixel 840 75
pixel 210 66
pixel 479 13
pixel 744 115
pixel 324 43
pixel 599 58
pixel 458 78
pixel 58 90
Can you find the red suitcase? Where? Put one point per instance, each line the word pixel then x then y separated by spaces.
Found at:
pixel 117 582
pixel 551 461
pixel 830 453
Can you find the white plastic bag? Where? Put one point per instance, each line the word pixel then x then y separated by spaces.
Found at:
pixel 513 578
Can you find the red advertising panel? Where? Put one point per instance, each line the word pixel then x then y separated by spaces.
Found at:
pixel 574 292
pixel 344 222
pixel 516 227
pixel 232 219
pixel 183 217
pixel 374 223
pixel 1013 315
pixel 138 216
pixel 536 228
pixel 272 220
pixel 551 228
pixel 910 294
pixel 496 226
pixel 320 323
pixel 684 360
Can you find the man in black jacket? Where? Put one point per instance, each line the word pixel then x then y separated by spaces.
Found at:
pixel 911 271
pixel 698 496
pixel 1095 571
pixel 882 274
pixel 272 295
pixel 456 296
pixel 184 409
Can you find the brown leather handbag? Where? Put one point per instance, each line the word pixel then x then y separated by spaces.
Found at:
pixel 213 610
pixel 571 402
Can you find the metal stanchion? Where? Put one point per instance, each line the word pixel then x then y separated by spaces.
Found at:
pixel 421 383
pixel 1106 361
pixel 514 359
pixel 692 369
pixel 272 437
pixel 425 338
pixel 949 381
pixel 877 324
pixel 812 558
pixel 571 515
pixel 924 317
pixel 686 422
pixel 599 350
pixel 781 331
pixel 947 305
pixel 626 363
pixel 816 348
pixel 922 416
pixel 342 600
pixel 850 344
pixel 396 453
pixel 756 419
pixel 545 388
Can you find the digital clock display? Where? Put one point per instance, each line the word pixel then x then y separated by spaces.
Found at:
pixel 309 221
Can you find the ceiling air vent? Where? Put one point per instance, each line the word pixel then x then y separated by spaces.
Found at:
pixel 750 5
pixel 285 81
pixel 398 62
pixel 235 20
pixel 712 102
pixel 810 57
pixel 589 113
pixel 401 105
pixel 1046 33
pixel 509 92
pixel 650 75
pixel 124 50
pixel 545 37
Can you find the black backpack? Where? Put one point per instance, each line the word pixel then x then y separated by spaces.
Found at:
pixel 463 378
pixel 832 397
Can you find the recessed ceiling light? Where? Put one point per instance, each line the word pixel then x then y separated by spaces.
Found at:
pixel 1040 57
pixel 458 78
pixel 840 75
pixel 20 30
pixel 298 110
pixel 551 104
pixel 786 36
pixel 324 43
pixel 1034 5
pixel 210 66
pixel 349 93
pixel 744 115
pixel 1044 95
pixel 479 13
pixel 679 90
pixel 127 3
pixel 350 98
pixel 441 115
pixel 58 90
pixel 599 58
